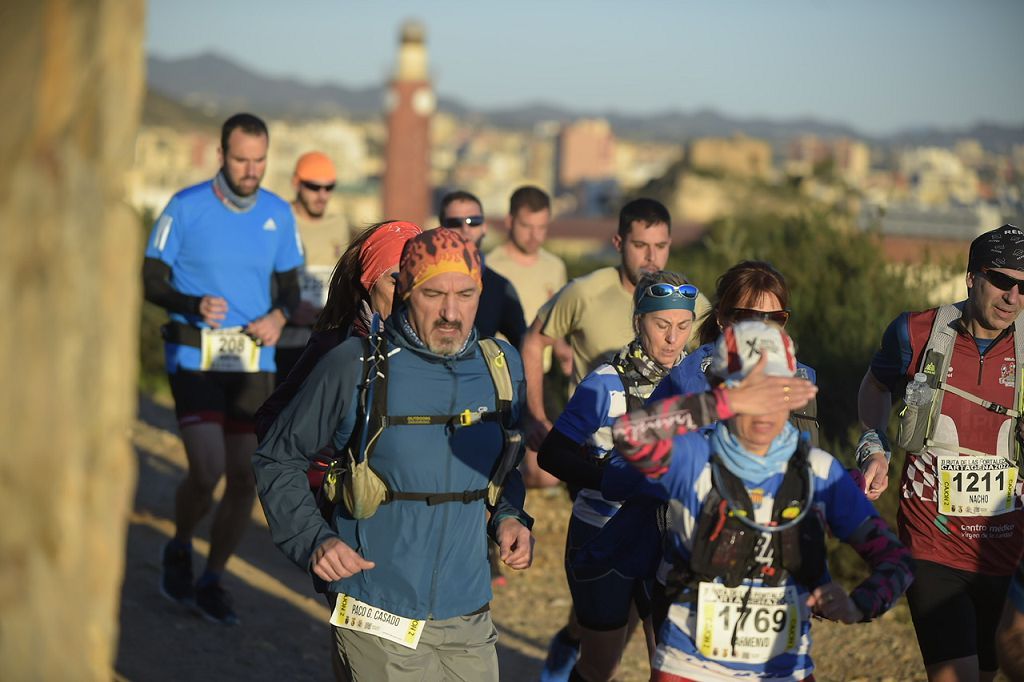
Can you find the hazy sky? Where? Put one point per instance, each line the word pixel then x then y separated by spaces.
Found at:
pixel 878 65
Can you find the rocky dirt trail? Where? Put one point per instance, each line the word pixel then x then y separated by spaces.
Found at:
pixel 284 632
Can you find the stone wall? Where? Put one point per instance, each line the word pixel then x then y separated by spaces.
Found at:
pixel 71 84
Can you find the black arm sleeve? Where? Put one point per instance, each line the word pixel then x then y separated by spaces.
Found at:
pixel 288 291
pixel 513 320
pixel 156 285
pixel 564 458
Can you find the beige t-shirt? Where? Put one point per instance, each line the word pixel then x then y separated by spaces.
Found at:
pixel 536 283
pixel 595 314
pixel 323 242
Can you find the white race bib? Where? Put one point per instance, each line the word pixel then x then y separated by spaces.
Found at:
pixel 315 281
pixel 352 614
pixel 769 624
pixel 229 350
pixel 975 485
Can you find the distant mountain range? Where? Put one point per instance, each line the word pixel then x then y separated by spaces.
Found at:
pixel 208 86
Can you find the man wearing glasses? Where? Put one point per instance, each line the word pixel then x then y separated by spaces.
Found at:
pixel 325 236
pixel 500 310
pixel 960 501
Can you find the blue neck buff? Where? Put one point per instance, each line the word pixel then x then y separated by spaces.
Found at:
pixel 747 466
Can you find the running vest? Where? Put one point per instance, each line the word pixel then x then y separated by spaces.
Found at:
pixel 917 427
pixel 351 480
pixel 724 547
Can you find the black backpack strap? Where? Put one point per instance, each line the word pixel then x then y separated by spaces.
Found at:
pixel 799 551
pixel 464 418
pixel 630 387
pixel 431 499
pixel 379 408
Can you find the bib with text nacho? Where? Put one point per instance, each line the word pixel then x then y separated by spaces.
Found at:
pixel 352 614
pixel 767 625
pixel 978 485
pixel 229 350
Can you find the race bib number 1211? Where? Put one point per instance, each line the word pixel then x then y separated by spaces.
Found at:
pixel 976 485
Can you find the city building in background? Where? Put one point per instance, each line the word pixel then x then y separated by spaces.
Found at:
pixel 396 155
pixel 410 103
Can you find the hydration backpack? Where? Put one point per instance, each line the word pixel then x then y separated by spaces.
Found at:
pixel 350 478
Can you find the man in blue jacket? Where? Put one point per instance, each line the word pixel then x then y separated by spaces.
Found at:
pixel 410 582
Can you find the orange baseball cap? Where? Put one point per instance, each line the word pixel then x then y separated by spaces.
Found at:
pixel 315 166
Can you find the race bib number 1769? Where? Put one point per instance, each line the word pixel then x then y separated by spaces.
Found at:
pixel 765 624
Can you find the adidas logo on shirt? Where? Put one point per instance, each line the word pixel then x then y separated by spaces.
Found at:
pixel 270 225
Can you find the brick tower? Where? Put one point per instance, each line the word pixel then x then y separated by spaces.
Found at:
pixel 410 103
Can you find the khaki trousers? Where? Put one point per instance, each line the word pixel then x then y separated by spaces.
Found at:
pixel 459 649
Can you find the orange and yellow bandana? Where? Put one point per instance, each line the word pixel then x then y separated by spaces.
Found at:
pixel 435 252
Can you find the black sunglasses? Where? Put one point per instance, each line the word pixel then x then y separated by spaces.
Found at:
pixel 314 187
pixel 456 223
pixel 779 317
pixel 1001 281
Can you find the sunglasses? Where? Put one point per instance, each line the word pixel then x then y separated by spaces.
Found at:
pixel 456 223
pixel 314 187
pixel 779 317
pixel 1001 281
pixel 663 290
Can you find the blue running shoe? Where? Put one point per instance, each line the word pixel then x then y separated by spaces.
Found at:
pixel 562 655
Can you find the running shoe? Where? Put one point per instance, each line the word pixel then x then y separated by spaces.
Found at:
pixel 214 604
pixel 562 655
pixel 176 574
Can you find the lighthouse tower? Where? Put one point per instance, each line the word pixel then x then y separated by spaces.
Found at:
pixel 410 103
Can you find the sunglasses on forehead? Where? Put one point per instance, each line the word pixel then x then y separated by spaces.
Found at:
pixel 456 223
pixel 316 187
pixel 1001 281
pixel 779 317
pixel 663 290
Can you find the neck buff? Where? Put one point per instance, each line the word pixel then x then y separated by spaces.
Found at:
pixel 747 466
pixel 228 197
pixel 640 373
pixel 412 337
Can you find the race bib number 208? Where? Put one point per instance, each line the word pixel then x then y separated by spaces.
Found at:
pixel 229 350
